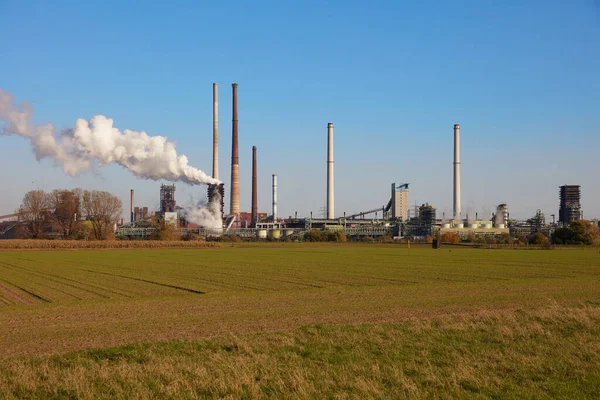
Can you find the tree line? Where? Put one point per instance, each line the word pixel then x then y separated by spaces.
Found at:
pixel 579 232
pixel 74 214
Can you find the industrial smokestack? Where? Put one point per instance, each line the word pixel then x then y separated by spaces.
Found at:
pixel 234 206
pixel 254 189
pixel 330 201
pixel 131 202
pixel 215 130
pixel 457 212
pixel 274 197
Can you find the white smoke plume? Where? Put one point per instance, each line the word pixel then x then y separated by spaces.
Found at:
pixel 205 215
pixel 97 141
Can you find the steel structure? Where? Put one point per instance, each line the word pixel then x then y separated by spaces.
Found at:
pixel 167 198
pixel 570 204
pixel 147 232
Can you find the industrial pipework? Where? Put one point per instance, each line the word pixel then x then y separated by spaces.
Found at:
pixel 330 200
pixel 215 130
pixel 457 212
pixel 234 205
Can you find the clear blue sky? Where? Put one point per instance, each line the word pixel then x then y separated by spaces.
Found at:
pixel 521 77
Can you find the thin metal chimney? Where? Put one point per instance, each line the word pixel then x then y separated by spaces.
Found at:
pixel 215 130
pixel 457 212
pixel 274 197
pixel 330 199
pixel 254 189
pixel 234 205
pixel 131 203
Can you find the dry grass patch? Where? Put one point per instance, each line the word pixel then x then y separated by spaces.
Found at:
pixel 553 352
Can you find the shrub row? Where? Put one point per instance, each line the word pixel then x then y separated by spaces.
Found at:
pixel 27 244
pixel 315 235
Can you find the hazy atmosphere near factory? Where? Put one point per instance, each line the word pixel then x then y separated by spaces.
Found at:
pixel 524 95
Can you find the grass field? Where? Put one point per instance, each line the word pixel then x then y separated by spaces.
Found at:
pixel 300 320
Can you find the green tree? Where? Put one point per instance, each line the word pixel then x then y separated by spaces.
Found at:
pixel 314 235
pixel 562 235
pixel 82 230
pixel 539 239
pixel 585 232
pixel 165 230
pixel 579 232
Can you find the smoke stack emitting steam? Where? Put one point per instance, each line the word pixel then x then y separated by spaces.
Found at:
pixel 97 142
pixel 234 205
pixel 457 212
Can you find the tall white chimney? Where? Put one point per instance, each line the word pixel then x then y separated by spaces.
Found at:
pixel 216 130
pixel 330 200
pixel 274 197
pixel 457 212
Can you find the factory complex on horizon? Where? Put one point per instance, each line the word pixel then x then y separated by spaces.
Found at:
pixel 395 217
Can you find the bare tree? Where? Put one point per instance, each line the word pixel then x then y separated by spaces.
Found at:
pixel 67 206
pixel 103 210
pixel 34 212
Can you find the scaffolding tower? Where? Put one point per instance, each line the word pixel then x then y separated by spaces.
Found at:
pixel 570 204
pixel 167 198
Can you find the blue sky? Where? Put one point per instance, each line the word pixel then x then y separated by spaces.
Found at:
pixel 520 77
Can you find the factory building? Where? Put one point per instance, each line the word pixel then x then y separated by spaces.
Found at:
pixel 140 213
pixel 427 215
pixel 400 201
pixel 247 218
pixel 570 204
pixel 392 217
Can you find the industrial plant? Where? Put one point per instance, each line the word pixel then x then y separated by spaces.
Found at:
pixel 394 218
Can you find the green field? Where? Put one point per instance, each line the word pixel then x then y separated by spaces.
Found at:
pixel 300 320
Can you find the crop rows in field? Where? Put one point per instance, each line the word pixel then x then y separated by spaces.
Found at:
pixel 71 276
